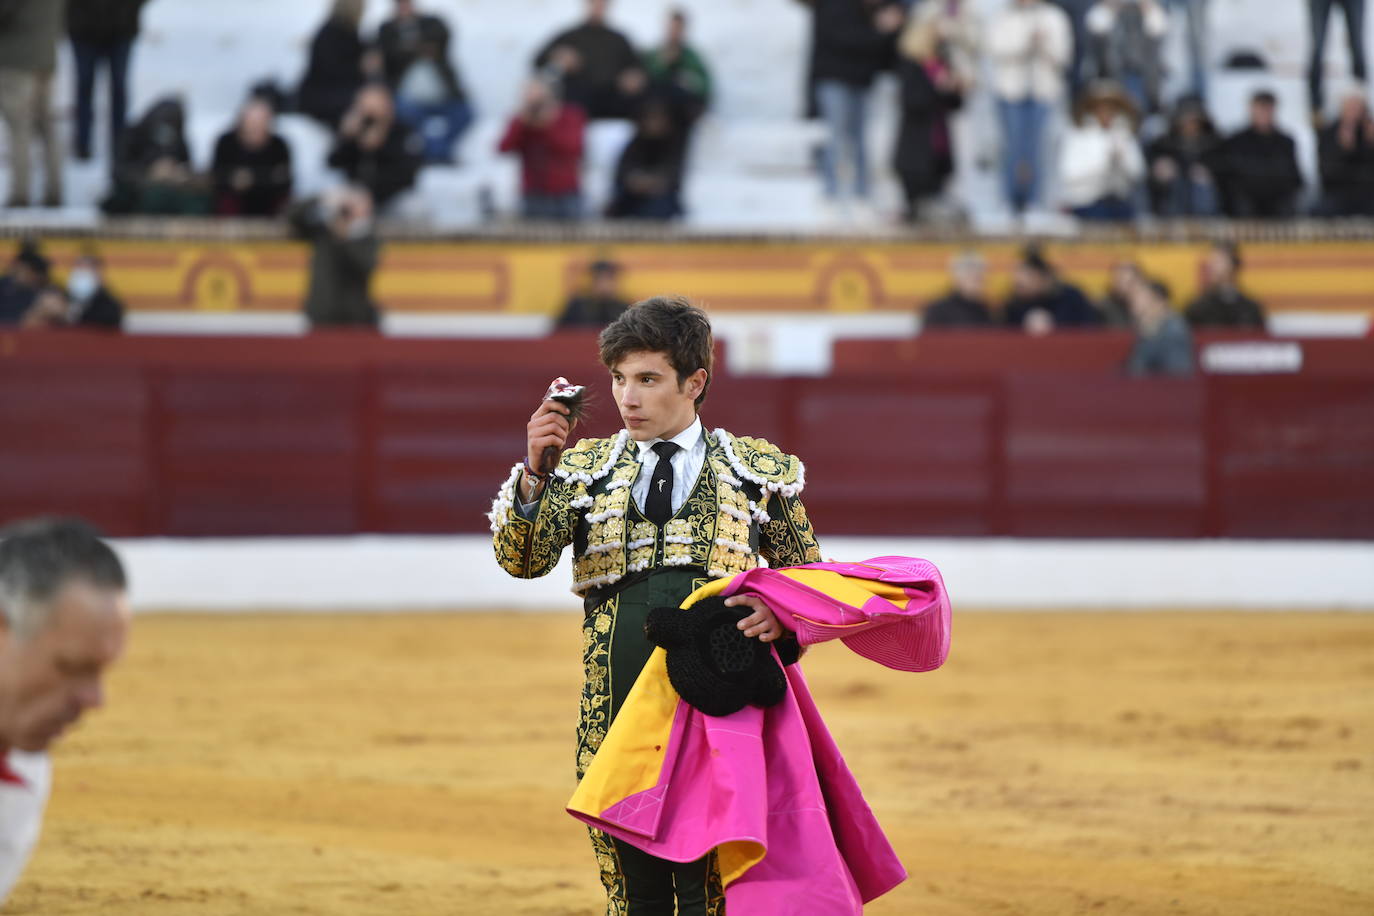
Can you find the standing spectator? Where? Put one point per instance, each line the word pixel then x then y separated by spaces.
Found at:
pixel 1257 168
pixel 430 98
pixel 375 150
pixel 25 277
pixel 344 254
pixel 966 305
pixel 153 171
pixel 1041 302
pixel 600 305
pixel 1125 40
pixel 678 71
pixel 252 167
pixel 1346 152
pixel 101 31
pixel 1195 34
pixel 1030 46
pixel 648 177
pixel 547 135
pixel 1320 11
pixel 932 86
pixel 1077 72
pixel 852 40
pixel 1179 163
pixel 1115 307
pixel 92 303
pixel 1221 304
pixel 28 55
pixel 596 66
pixel 1163 343
pixel 1100 163
pixel 336 69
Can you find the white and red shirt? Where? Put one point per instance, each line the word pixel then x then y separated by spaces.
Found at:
pixel 25 780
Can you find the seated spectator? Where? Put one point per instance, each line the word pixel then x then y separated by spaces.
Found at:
pixel 1125 39
pixel 648 177
pixel 51 309
pixel 344 254
pixel 1115 307
pixel 1179 163
pixel 92 303
pixel 931 89
pixel 1031 45
pixel 429 96
pixel 596 67
pixel 375 150
pixel 153 172
pixel 600 305
pixel 1257 168
pixel 547 135
pixel 1346 153
pixel 335 72
pixel 851 41
pixel 966 305
pixel 1100 163
pixel 1163 343
pixel 25 277
pixel 1220 303
pixel 252 167
pixel 678 71
pixel 1041 302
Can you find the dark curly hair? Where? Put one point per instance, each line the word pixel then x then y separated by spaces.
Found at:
pixel 670 325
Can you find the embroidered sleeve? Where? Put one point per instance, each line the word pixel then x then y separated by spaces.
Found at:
pixel 787 538
pixel 530 547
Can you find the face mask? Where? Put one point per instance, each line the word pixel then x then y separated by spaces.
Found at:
pixel 82 283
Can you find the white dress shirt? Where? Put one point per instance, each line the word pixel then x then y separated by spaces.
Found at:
pixel 686 464
pixel 21 812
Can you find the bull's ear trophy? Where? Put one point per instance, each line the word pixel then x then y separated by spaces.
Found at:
pixel 574 397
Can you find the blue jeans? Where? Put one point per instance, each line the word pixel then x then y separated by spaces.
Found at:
pixel 1195 23
pixel 1106 210
pixel 564 208
pixel 439 124
pixel 1023 129
pixel 1354 27
pixel 88 56
pixel 844 109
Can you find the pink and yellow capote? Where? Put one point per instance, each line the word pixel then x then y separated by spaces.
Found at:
pixel 767 787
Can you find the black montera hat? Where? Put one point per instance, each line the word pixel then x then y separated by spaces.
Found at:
pixel 712 664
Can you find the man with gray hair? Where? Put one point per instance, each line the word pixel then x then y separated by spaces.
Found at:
pixel 63 621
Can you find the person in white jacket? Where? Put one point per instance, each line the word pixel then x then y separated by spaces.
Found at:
pixel 1030 46
pixel 63 622
pixel 1101 165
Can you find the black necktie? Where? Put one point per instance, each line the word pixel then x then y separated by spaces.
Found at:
pixel 658 508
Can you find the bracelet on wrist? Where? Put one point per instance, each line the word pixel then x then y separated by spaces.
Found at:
pixel 532 473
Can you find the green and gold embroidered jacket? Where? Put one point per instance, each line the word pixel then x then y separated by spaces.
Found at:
pixel 743 507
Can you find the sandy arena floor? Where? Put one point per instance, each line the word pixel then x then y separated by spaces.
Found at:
pixel 418 764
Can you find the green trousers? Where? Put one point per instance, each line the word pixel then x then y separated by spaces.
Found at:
pixel 614 650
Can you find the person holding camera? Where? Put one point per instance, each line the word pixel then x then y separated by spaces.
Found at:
pixel 345 251
pixel 547 136
pixel 373 149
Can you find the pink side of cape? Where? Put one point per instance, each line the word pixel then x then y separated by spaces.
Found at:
pixel 775 776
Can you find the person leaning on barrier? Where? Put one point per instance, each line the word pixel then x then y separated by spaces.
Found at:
pixel 1163 343
pixel 64 619
pixel 344 255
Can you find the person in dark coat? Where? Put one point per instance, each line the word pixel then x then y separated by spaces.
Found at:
pixel 337 66
pixel 153 172
pixel 600 305
pixel 344 255
pixel 1257 167
pixel 596 67
pixel 1221 304
pixel 1179 163
pixel 102 32
pixel 1041 302
pixel 374 149
pixel 930 90
pixel 966 305
pixel 648 177
pixel 430 98
pixel 25 277
pixel 1163 343
pixel 92 303
pixel 1345 149
pixel 252 167
pixel 678 70
pixel 851 42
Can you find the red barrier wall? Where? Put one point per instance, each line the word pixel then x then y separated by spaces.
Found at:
pixel 955 434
